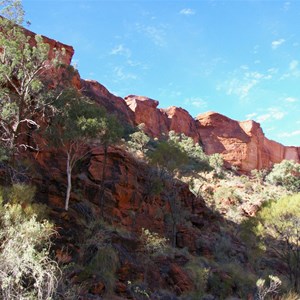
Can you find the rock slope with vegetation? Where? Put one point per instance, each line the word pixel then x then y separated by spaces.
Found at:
pixel 110 198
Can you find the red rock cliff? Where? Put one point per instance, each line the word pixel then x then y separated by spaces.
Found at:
pixel 242 144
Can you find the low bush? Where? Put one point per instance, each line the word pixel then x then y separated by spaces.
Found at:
pixel 26 269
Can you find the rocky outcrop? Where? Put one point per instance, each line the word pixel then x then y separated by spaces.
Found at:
pixel 182 122
pixel 159 122
pixel 66 50
pixel 242 144
pixel 145 111
pixel 113 104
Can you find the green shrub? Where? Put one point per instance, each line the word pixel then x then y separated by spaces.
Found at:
pixel 153 243
pixel 197 159
pixel 231 280
pixel 287 174
pixel 103 265
pixel 217 163
pixel 26 269
pixel 276 227
pixel 228 194
pixel 138 141
pixel 199 274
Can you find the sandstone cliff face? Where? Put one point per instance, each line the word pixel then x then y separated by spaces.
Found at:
pixel 241 144
pixel 159 122
pixel 146 111
pixel 113 104
pixel 68 51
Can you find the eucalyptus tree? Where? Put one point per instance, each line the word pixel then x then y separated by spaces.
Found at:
pixel 111 132
pixel 24 60
pixel 75 122
pixel 168 159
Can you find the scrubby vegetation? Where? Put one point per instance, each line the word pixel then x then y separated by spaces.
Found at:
pixel 26 269
pixel 179 226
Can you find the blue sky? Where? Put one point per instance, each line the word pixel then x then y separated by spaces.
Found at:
pixel 239 58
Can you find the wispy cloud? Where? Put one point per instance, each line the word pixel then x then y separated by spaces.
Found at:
pixel 293 70
pixel 122 74
pixel 242 82
pixel 156 34
pixel 272 113
pixel 291 99
pixel 196 102
pixel 121 50
pixel 289 134
pixel 251 116
pixel 275 44
pixel 293 65
pixel 187 12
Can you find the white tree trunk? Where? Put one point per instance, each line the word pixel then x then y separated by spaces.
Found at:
pixel 69 180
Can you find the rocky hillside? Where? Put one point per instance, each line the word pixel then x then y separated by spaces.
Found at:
pixel 146 231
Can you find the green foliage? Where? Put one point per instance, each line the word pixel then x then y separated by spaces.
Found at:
pixel 100 259
pixel 231 280
pixel 111 130
pixel 287 174
pixel 23 62
pixel 153 243
pixel 104 265
pixel 199 274
pixel 21 68
pixel 168 156
pixel 259 175
pixel 196 158
pixel 23 195
pixel 277 228
pixel 26 270
pixel 226 194
pixel 12 10
pixel 217 163
pixel 138 141
pixel 74 121
pixel 263 290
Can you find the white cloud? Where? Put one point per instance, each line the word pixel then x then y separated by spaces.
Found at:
pixel 277 43
pixel 273 113
pixel 155 33
pixel 239 88
pixel 243 81
pixel 293 65
pixel 293 70
pixel 123 75
pixel 196 101
pixel 187 12
pixel 289 134
pixel 251 116
pixel 120 50
pixel 273 70
pixel 291 99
